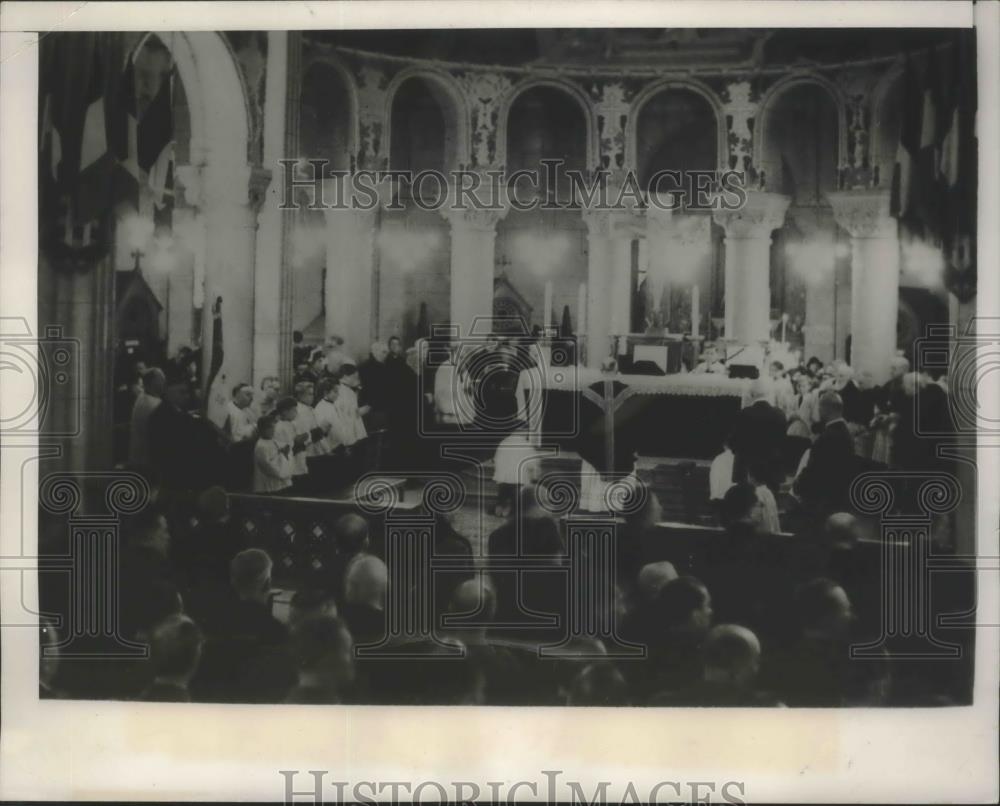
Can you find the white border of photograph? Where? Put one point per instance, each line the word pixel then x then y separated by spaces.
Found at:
pixel 145 751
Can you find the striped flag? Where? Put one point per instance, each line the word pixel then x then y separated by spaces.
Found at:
pixel 94 185
pixel 907 152
pixel 50 146
pixel 126 137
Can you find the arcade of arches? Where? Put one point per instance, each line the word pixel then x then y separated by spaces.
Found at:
pixel 800 264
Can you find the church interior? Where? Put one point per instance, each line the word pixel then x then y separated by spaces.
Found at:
pixel 371 454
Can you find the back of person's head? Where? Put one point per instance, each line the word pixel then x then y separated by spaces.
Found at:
pixel 913 382
pixel 841 529
pixel 476 601
pixel 831 406
pixel 309 602
pixel 285 405
pixel 529 504
pixel 154 381
pixel 214 503
pixel 759 390
pixel 351 533
pixel 366 581
pixel 652 578
pixel 899 366
pixel 348 370
pixel 600 684
pixel 731 654
pixel 175 647
pixel 540 536
pixel 250 573
pixel 739 504
pixel 148 529
pixel 684 604
pixel 823 609
pixel 324 387
pixel 323 646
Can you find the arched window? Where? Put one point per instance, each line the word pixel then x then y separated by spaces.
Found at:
pixel 546 123
pixel 677 130
pixel 325 117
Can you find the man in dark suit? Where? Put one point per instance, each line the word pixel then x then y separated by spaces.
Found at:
pixel 758 438
pixel 825 482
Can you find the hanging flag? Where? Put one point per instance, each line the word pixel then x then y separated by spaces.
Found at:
pixel 958 170
pixel 125 137
pixel 50 145
pixel 156 128
pixel 927 191
pixel 94 142
pixel 163 207
pixel 901 203
pixel 94 183
pixel 161 171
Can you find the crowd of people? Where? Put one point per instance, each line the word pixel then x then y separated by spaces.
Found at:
pixel 198 588
pixel 198 591
pixel 812 429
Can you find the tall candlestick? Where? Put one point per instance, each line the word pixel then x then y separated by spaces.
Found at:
pixel 581 310
pixel 784 321
pixel 547 312
pixel 695 310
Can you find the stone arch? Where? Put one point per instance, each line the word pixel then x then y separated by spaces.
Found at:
pixel 216 95
pixel 778 89
pixel 347 80
pixel 651 91
pixel 574 91
pixel 449 96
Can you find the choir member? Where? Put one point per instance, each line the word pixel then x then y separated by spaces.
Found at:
pixel 272 465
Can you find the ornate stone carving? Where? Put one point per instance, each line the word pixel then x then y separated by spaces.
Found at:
pixel 474 218
pixel 741 113
pixel 483 92
pixel 863 213
pixel 372 84
pixel 758 218
pixel 611 104
pixel 683 229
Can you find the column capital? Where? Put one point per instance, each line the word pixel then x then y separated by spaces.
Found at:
pixel 762 214
pixel 682 228
pixel 611 223
pixel 484 92
pixel 474 219
pixel 863 213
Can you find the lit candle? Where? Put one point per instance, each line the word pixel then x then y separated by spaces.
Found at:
pixel 784 322
pixel 547 310
pixel 695 310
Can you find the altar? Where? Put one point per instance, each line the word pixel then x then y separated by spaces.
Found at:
pixel 683 415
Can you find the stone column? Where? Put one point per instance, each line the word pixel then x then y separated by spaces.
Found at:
pixel 350 277
pixel 272 324
pixel 230 199
pixel 874 277
pixel 609 275
pixel 679 246
pixel 473 233
pixel 748 264
pixel 818 263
